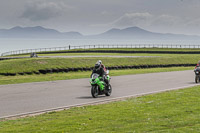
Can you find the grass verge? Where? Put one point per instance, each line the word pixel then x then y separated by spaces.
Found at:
pixel 173 111
pixel 78 75
pixel 35 64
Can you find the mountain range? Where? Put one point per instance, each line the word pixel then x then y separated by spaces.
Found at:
pixel 131 33
pixel 36 32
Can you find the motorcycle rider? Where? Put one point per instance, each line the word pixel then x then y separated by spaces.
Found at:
pixel 198 64
pixel 99 68
pixel 104 68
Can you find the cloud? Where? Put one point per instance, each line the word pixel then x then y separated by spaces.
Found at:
pixel 159 23
pixel 153 22
pixel 167 20
pixel 136 19
pixel 146 20
pixel 193 23
pixel 43 10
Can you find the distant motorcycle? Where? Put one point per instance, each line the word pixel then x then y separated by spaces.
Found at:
pixel 197 74
pixel 99 87
pixel 33 55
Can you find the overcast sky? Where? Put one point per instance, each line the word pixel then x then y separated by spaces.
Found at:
pixel 97 16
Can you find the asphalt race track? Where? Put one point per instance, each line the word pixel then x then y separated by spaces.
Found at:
pixel 18 99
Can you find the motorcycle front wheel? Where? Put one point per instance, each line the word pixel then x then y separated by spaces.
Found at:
pixel 108 90
pixel 94 91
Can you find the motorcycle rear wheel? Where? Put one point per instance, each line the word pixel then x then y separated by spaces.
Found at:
pixel 94 91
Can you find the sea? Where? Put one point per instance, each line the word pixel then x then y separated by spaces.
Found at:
pixel 7 44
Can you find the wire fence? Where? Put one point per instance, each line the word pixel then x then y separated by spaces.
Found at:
pixel 70 47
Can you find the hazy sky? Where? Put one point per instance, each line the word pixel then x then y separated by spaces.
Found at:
pixel 96 16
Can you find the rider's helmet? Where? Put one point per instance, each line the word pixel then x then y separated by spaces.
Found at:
pixel 97 66
pixel 100 61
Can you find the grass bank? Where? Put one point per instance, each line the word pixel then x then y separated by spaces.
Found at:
pixel 35 64
pixel 77 75
pixel 174 111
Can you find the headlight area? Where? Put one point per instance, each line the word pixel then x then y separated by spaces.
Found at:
pixel 93 81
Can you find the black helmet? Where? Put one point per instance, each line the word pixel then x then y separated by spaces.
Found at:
pixel 97 66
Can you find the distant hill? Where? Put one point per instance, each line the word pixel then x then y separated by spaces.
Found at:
pixel 130 33
pixel 36 32
pixel 138 33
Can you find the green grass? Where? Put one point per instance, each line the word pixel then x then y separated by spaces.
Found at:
pixel 34 64
pixel 78 75
pixel 175 111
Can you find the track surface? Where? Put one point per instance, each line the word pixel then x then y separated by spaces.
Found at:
pixel 30 97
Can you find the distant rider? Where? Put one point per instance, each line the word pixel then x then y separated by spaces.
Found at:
pixel 198 65
pixel 100 69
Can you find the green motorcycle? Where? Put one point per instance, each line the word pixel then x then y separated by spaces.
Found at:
pixel 99 87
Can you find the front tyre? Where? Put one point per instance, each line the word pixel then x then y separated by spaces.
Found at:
pixel 197 79
pixel 108 90
pixel 94 91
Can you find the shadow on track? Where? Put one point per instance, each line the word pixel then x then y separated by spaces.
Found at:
pixel 90 97
pixel 192 83
pixel 85 97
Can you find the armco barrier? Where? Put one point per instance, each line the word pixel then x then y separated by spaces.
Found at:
pixel 86 47
pixel 119 51
pixel 111 51
pixel 57 70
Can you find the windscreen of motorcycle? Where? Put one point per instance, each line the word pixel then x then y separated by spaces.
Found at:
pixel 95 75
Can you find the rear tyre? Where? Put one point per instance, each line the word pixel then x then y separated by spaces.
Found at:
pixel 108 90
pixel 94 91
pixel 197 79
